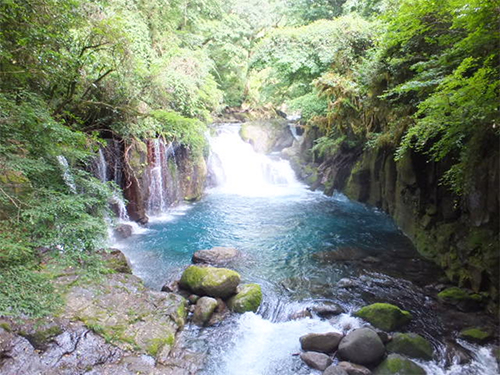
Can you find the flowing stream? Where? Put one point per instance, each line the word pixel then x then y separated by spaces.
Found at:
pixel 303 248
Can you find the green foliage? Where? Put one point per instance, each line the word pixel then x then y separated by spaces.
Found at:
pixel 309 105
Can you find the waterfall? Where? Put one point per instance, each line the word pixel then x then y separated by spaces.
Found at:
pixel 297 131
pixel 66 174
pixel 102 169
pixel 236 168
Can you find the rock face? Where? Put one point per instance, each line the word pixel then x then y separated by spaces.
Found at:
pixel 411 345
pixel 215 255
pixel 318 361
pixel 210 281
pixel 116 260
pixel 398 365
pixel 362 346
pixel 204 309
pixel 248 298
pixel 384 316
pixel 321 342
pixel 267 136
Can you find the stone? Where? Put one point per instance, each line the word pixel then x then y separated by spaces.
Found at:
pixel 384 316
pixel 398 365
pixel 116 260
pixel 460 298
pixel 384 336
pixel 347 283
pixel 321 342
pixel 476 335
pixel 318 361
pixel 248 298
pixel 123 231
pixel 204 309
pixel 353 369
pixel 305 313
pixel 328 309
pixel 215 255
pixel 335 370
pixel 362 346
pixel 193 298
pixel 411 345
pixel 210 281
pixel 170 287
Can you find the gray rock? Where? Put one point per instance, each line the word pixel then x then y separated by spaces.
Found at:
pixel 335 370
pixel 353 369
pixel 362 346
pixel 318 361
pixel 215 255
pixel 328 309
pixel 123 231
pixel 321 342
pixel 204 309
pixel 171 287
pixel 384 336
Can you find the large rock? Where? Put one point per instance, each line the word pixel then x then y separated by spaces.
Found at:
pixel 204 309
pixel 411 345
pixel 353 369
pixel 318 361
pixel 395 364
pixel 210 281
pixel 249 298
pixel 362 346
pixel 384 316
pixel 321 342
pixel 464 300
pixel 215 255
pixel 477 335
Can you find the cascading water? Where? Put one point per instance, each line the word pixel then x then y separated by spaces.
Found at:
pixel 156 201
pixel 287 235
pixel 67 177
pixel 238 169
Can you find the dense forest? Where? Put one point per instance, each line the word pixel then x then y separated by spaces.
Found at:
pixel 412 76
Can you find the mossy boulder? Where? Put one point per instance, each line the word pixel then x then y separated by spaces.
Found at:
pixel 461 298
pixel 384 316
pixel 398 365
pixel 411 345
pixel 249 298
pixel 210 281
pixel 477 335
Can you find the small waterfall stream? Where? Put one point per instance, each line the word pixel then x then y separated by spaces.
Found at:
pixel 286 234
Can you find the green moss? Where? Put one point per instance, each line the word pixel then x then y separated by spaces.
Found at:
pixel 249 298
pixel 412 345
pixel 6 326
pixel 398 365
pixel 384 316
pixel 478 335
pixel 156 345
pixel 192 277
pixel 210 281
pixel 455 295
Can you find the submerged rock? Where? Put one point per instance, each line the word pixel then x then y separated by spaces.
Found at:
pixel 210 281
pixel 318 361
pixel 384 316
pixel 411 345
pixel 215 255
pixel 362 346
pixel 204 309
pixel 249 298
pixel 321 342
pixel 396 364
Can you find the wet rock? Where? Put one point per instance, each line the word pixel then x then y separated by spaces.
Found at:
pixel 411 345
pixel 123 231
pixel 305 313
pixel 204 310
pixel 328 309
pixel 361 346
pixel 477 335
pixel 116 260
pixel 462 299
pixel 384 336
pixel 193 298
pixel 384 316
pixel 347 283
pixel 215 255
pixel 170 287
pixel 321 342
pixel 398 365
pixel 210 281
pixel 353 369
pixel 221 312
pixel 248 298
pixel 335 370
pixel 456 354
pixel 318 361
